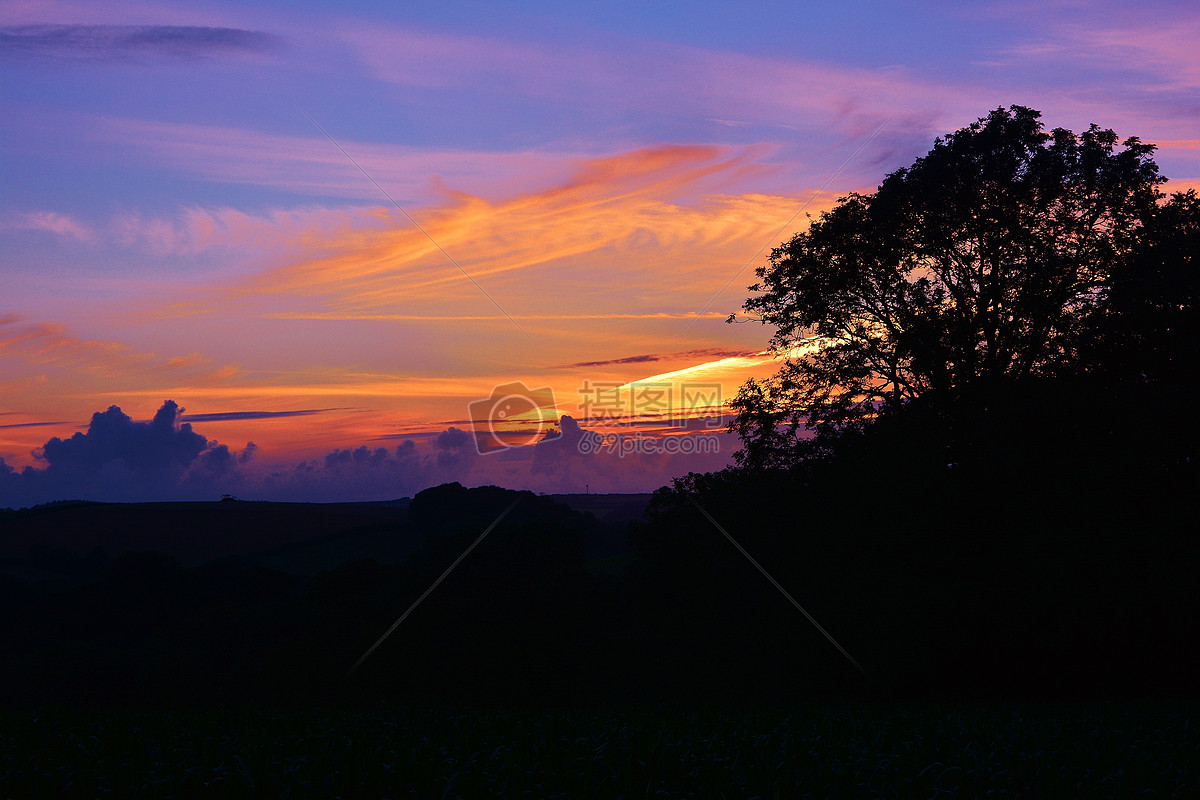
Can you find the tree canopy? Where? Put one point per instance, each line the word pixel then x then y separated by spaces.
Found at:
pixel 991 264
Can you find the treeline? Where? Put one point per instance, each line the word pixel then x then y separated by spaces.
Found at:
pixel 520 619
pixel 1061 561
pixel 1012 583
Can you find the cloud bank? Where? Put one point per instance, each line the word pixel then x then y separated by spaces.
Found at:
pixel 121 459
pixel 165 459
pixel 125 43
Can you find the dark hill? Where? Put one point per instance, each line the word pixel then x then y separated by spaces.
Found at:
pixel 299 538
pixel 192 533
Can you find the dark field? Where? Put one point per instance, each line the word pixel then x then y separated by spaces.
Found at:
pixel 917 751
pixel 1021 654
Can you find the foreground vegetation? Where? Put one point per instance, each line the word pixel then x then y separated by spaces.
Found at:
pixel 810 751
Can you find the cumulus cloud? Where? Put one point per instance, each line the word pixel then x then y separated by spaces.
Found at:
pixel 118 458
pixel 565 461
pixel 114 436
pixel 347 474
pixel 626 462
pixel 124 43
pixel 456 452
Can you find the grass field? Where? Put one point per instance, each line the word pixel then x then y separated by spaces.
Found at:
pixel 854 751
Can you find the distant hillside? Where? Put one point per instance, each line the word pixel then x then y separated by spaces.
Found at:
pixel 298 538
pixel 615 509
pixel 192 533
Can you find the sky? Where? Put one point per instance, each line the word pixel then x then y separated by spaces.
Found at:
pixel 312 253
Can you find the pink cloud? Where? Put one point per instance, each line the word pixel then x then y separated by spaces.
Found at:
pixel 1169 53
pixel 279 232
pixel 49 345
pixel 1155 61
pixel 1176 144
pixel 49 222
pixel 726 87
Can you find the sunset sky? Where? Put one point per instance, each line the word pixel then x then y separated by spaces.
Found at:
pixel 217 204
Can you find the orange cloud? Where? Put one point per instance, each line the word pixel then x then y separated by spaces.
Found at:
pixel 1176 144
pixel 632 220
pixel 45 343
pixel 369 316
pixel 61 375
pixel 620 257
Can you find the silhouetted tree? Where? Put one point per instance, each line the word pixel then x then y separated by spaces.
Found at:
pixel 964 278
pixel 1153 306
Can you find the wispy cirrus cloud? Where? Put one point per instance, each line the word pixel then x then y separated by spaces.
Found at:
pixel 239 416
pixel 48 222
pixel 195 230
pixel 310 165
pixel 640 217
pixel 1176 144
pixel 644 221
pixel 128 43
pixel 711 85
pixel 33 424
pixel 346 316
pixel 1168 54
pixel 49 344
pixel 652 219
pixel 1138 53
pixel 710 352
